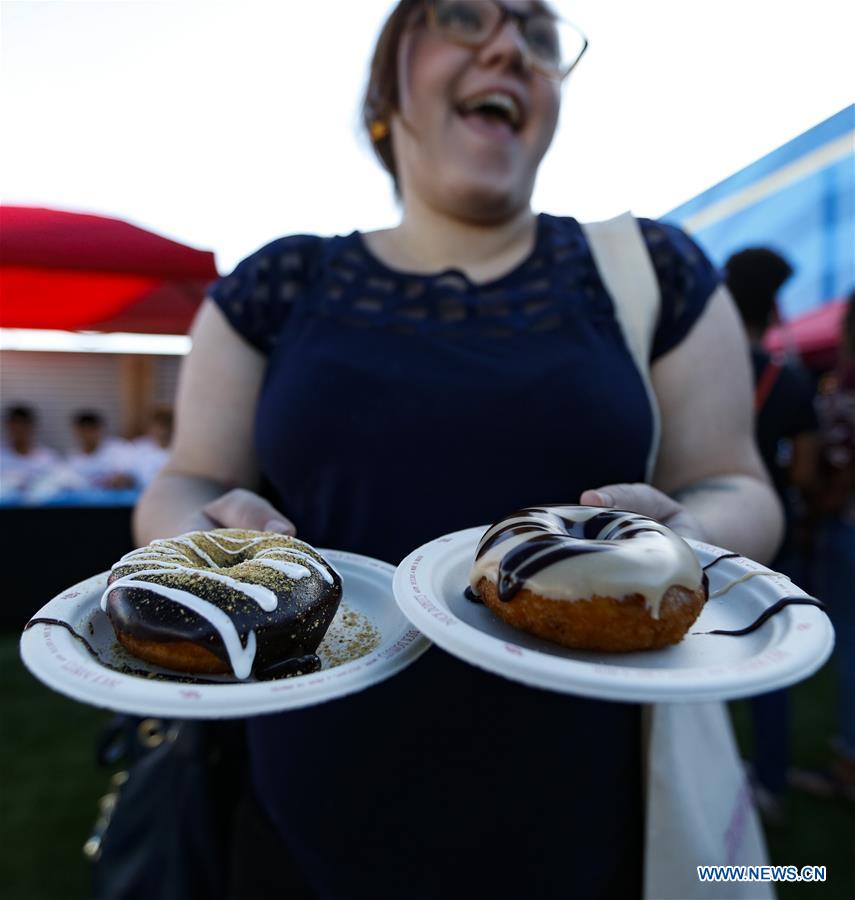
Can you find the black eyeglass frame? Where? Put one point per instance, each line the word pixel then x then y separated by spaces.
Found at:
pixel 519 18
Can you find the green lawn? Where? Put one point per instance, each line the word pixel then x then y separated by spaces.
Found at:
pixel 50 787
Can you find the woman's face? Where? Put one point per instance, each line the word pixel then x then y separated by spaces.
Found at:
pixel 453 157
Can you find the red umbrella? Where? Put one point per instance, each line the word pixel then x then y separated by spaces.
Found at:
pixel 815 334
pixel 84 272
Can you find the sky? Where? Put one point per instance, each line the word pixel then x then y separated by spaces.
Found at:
pixel 227 124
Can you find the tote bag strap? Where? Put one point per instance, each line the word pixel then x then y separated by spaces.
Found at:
pixel 623 262
pixel 698 808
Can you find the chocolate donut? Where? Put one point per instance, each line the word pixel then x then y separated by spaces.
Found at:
pixel 245 602
pixel 590 578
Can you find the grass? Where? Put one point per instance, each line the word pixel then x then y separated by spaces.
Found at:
pixel 51 785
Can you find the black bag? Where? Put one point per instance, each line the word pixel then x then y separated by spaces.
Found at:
pixel 165 830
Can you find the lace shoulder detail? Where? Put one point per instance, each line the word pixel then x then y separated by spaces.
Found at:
pixel 544 292
pixel 258 295
pixel 687 279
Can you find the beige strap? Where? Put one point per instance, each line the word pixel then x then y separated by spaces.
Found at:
pixel 698 810
pixel 624 264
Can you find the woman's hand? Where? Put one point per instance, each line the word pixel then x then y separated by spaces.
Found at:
pixel 647 501
pixel 239 508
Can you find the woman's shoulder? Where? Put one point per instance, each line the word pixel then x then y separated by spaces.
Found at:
pixel 669 245
pixel 686 276
pixel 687 279
pixel 666 242
pixel 257 296
pixel 284 256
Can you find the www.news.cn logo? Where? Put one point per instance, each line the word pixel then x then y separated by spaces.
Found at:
pixel 761 873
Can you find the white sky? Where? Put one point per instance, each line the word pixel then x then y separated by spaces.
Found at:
pixel 226 124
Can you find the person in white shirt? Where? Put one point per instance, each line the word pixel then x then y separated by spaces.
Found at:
pixel 23 461
pixel 151 450
pixel 101 461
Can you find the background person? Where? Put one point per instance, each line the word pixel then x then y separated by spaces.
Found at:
pixel 23 460
pixel 150 451
pixel 101 461
pixel 786 422
pixel 392 386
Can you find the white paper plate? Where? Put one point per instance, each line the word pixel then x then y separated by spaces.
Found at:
pixel 787 648
pixel 63 662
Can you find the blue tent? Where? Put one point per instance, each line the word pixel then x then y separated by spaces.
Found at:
pixel 798 200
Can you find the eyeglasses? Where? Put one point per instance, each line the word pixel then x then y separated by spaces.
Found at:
pixel 552 45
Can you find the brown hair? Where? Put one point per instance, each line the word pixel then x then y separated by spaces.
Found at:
pixel 381 93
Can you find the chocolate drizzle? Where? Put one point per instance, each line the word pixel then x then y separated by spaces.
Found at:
pixel 471 596
pixel 44 620
pixel 767 614
pixel 718 559
pixel 298 665
pixel 552 537
pixel 528 559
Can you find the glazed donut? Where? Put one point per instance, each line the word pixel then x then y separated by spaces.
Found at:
pixel 246 602
pixel 589 578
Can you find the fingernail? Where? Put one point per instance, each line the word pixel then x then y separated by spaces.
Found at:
pixel 280 526
pixel 605 499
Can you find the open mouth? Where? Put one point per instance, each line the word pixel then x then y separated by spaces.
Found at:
pixel 497 111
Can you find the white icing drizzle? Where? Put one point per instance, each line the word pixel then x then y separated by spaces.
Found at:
pixel 322 570
pixel 222 534
pixel 263 596
pixel 186 540
pixel 648 563
pixel 325 568
pixel 240 658
pixel 148 551
pixel 304 553
pixel 245 544
pixel 745 577
pixel 292 570
pixel 146 560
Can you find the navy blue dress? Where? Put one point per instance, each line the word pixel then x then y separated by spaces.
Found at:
pixel 396 408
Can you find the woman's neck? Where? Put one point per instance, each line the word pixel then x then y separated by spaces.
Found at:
pixel 427 241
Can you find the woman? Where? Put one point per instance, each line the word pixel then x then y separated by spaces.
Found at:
pixel 382 389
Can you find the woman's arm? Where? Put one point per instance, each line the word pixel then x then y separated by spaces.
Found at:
pixel 709 480
pixel 209 478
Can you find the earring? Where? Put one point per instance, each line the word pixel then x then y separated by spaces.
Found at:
pixel 379 130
